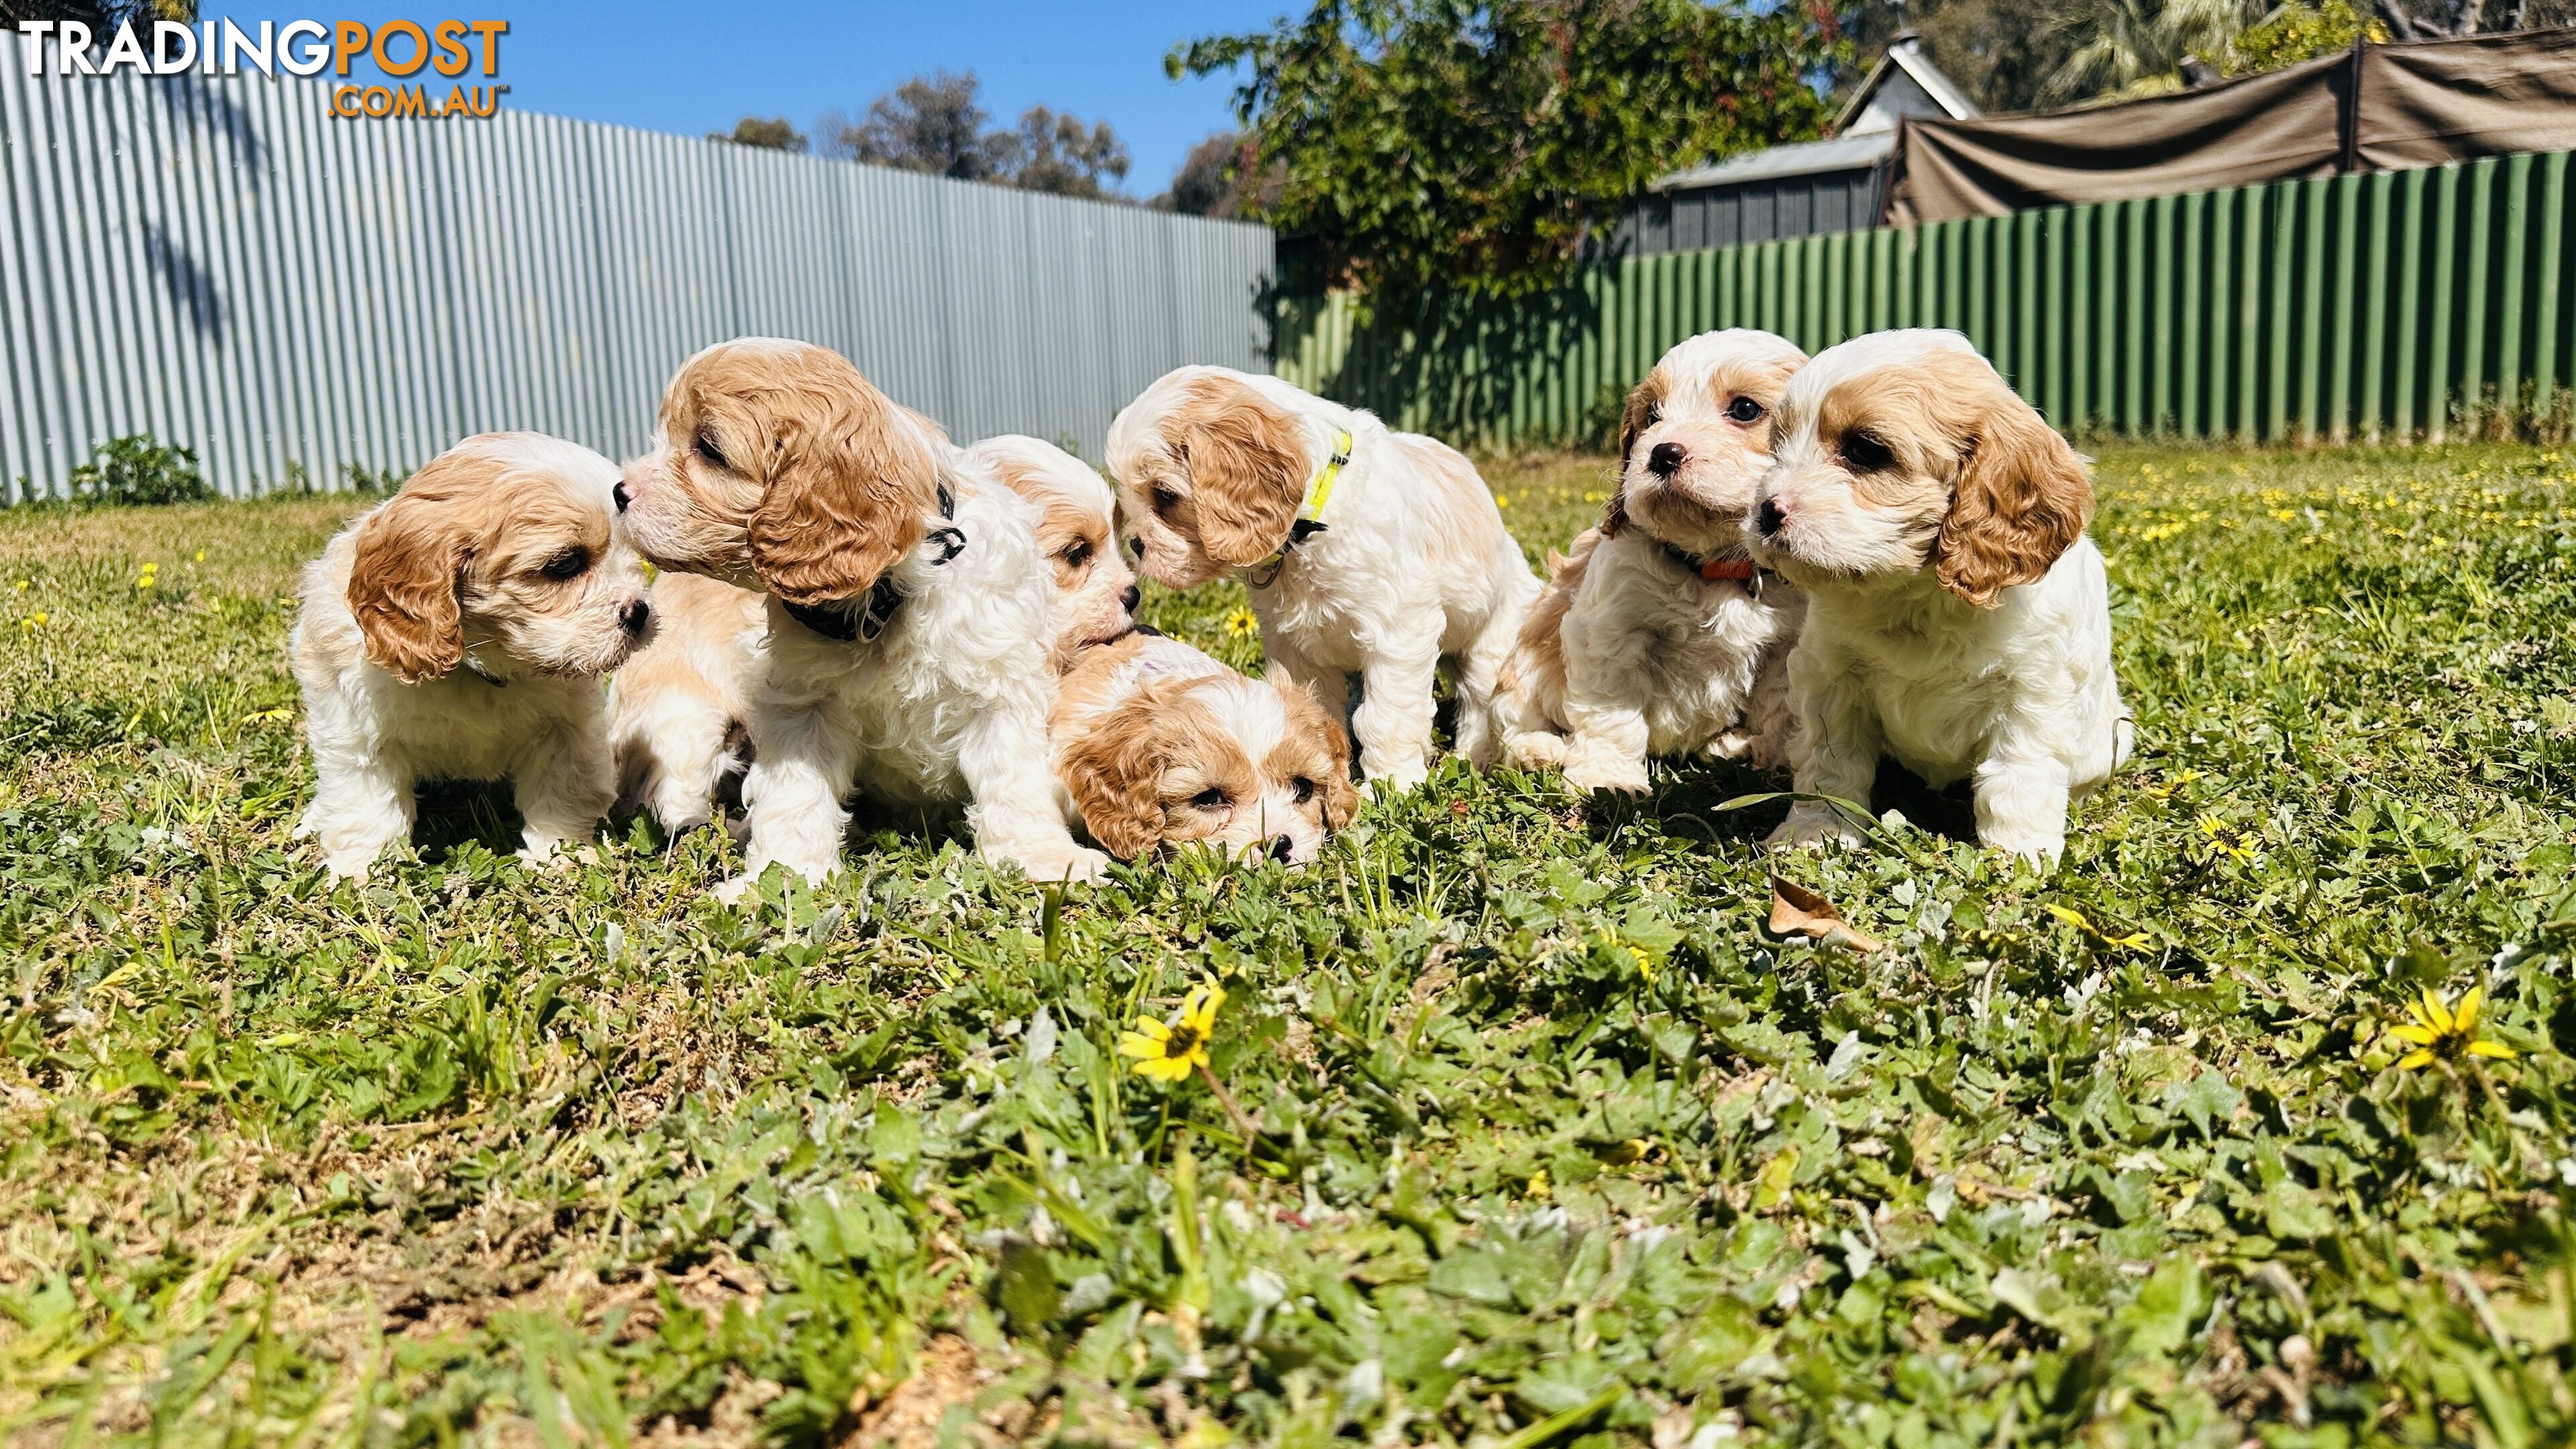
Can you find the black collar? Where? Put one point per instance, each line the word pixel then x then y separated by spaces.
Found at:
pixel 843 624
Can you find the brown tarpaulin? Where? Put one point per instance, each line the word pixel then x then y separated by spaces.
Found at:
pixel 2378 107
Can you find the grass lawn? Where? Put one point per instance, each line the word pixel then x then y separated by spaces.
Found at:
pixel 1555 1145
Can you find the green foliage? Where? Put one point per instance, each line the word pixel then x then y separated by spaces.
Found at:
pixel 1555 1147
pixel 1425 144
pixel 775 134
pixel 2296 32
pixel 135 471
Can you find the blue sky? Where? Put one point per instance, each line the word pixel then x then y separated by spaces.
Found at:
pixel 696 68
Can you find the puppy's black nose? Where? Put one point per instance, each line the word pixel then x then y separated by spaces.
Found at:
pixel 621 495
pixel 1665 460
pixel 1280 846
pixel 635 616
pixel 1131 598
pixel 1768 518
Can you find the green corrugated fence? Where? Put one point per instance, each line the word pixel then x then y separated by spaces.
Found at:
pixel 2392 304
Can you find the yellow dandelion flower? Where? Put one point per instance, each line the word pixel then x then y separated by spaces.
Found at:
pixel 1242 623
pixel 2224 839
pixel 1502 500
pixel 2446 1033
pixel 201 555
pixel 1539 1190
pixel 1170 1051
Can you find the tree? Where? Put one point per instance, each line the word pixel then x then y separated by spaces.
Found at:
pixel 1420 143
pixel 937 124
pixel 774 135
pixel 1054 153
pixel 2137 47
pixel 1213 180
pixel 101 16
pixel 929 123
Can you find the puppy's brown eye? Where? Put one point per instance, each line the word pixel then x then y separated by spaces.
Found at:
pixel 1076 555
pixel 707 449
pixel 1865 454
pixel 1165 500
pixel 572 563
pixel 1301 789
pixel 1745 410
pixel 1211 799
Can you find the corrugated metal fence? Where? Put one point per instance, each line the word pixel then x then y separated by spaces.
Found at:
pixel 2402 304
pixel 221 263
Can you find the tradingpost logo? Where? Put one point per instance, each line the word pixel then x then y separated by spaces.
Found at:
pixel 401 49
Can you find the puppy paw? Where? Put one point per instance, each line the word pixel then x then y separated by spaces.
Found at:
pixel 1401 779
pixel 557 857
pixel 349 866
pixel 732 891
pixel 1596 770
pixel 1051 866
pixel 1535 751
pixel 1732 745
pixel 1811 825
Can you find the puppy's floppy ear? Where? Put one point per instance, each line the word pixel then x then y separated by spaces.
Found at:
pixel 2022 500
pixel 1112 773
pixel 1247 470
pixel 404 581
pixel 847 484
pixel 1643 399
pixel 1306 712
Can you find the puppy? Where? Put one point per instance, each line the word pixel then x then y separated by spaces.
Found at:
pixel 457 631
pixel 1958 618
pixel 1157 744
pixel 1657 635
pixel 1365 551
pixel 1095 591
pixel 908 627
pixel 676 710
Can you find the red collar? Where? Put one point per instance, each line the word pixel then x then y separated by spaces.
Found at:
pixel 1714 568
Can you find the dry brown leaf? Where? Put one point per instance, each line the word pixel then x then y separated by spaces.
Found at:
pixel 1798 911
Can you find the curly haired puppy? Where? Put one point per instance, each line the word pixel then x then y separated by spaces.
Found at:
pixel 1657 635
pixel 1157 744
pixel 1095 591
pixel 908 616
pixel 1958 619
pixel 1366 551
pixel 458 631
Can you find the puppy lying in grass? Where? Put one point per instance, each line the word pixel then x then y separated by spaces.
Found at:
pixel 1157 744
pixel 1365 551
pixel 458 631
pixel 1657 635
pixel 1958 618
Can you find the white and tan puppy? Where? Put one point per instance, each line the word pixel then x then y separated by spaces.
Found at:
pixel 1095 591
pixel 1657 635
pixel 1958 619
pixel 458 631
pixel 1381 564
pixel 1157 744
pixel 908 609
pixel 676 711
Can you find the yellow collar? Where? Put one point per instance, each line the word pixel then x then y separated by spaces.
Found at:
pixel 1310 511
